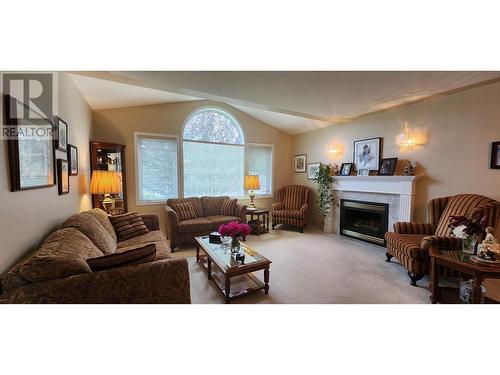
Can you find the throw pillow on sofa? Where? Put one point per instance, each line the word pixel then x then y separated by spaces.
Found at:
pixel 128 225
pixel 131 257
pixel 185 210
pixel 228 207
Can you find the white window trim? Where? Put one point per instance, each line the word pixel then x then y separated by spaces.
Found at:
pixel 138 135
pixel 262 196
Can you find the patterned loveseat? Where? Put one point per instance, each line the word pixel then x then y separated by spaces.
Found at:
pixel 410 241
pixel 208 216
pixel 292 206
pixel 57 272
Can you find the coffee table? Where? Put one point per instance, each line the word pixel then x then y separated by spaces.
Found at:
pixel 456 260
pixel 228 267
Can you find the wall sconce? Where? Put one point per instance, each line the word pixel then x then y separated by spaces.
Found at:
pixel 334 149
pixel 409 137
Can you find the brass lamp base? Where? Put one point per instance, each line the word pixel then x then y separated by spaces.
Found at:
pixel 252 197
pixel 107 203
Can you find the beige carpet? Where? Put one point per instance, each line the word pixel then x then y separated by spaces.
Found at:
pixel 313 267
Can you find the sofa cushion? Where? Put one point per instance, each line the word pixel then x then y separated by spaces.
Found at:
pixel 195 201
pixel 185 210
pixel 93 229
pixel 228 207
pixel 62 254
pixel 144 239
pixel 218 220
pixel 294 214
pixel 212 205
pixel 128 225
pixel 103 218
pixel 199 224
pixel 130 257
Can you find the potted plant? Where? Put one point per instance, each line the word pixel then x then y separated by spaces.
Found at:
pixel 324 180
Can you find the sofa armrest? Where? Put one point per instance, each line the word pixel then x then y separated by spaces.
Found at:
pixel 172 221
pixel 413 228
pixel 278 206
pixel 151 221
pixel 241 212
pixel 163 281
pixel 444 242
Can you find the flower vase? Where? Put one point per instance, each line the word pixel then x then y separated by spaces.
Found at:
pixel 235 245
pixel 468 245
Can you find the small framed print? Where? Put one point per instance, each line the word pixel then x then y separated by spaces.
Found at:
pixel 62 176
pixel 312 169
pixel 495 155
pixel 61 134
pixel 73 160
pixel 387 167
pixel 345 169
pixel 363 172
pixel 299 163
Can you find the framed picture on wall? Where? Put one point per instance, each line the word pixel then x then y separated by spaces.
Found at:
pixel 62 176
pixel 495 155
pixel 73 160
pixel 31 156
pixel 367 154
pixel 299 163
pixel 312 169
pixel 387 167
pixel 61 132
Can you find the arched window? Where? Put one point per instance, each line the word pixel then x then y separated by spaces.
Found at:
pixel 214 154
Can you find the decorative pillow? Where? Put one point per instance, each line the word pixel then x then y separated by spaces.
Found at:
pixel 128 225
pixel 140 255
pixel 228 207
pixel 185 210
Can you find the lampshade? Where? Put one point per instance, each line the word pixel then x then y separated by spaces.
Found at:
pixel 105 182
pixel 252 183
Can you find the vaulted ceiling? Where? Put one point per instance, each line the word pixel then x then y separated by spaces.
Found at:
pixel 295 102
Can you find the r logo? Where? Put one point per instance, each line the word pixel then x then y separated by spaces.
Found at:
pixel 32 92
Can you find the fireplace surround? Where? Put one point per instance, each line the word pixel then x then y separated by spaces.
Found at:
pixel 367 221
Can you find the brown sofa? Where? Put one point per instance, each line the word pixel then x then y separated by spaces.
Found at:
pixel 208 218
pixel 410 241
pixel 292 206
pixel 57 272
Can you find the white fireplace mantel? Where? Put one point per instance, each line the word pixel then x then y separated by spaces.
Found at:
pixel 403 187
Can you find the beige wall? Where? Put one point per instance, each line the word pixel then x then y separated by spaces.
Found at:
pixel 26 217
pixel 460 128
pixel 119 125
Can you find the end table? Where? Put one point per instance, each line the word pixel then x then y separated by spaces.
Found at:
pixel 258 226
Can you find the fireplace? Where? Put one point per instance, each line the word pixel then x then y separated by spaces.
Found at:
pixel 364 220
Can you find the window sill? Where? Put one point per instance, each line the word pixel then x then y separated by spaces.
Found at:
pixel 150 203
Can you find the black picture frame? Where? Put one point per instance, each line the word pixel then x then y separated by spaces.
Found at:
pixel 312 176
pixel 300 163
pixel 62 135
pixel 495 155
pixel 73 160
pixel 15 146
pixel 387 167
pixel 62 176
pixel 345 169
pixel 374 165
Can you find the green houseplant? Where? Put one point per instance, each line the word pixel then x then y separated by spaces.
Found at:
pixel 324 181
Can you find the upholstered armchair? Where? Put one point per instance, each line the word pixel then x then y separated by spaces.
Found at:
pixel 291 207
pixel 410 242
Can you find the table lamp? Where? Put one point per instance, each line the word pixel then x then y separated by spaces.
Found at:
pixel 252 183
pixel 105 183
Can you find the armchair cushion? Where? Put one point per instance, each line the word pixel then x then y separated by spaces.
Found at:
pixel 278 206
pixel 294 214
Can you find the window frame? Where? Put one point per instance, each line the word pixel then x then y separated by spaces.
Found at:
pixel 261 196
pixel 170 137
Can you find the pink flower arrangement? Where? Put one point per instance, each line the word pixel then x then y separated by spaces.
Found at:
pixel 234 229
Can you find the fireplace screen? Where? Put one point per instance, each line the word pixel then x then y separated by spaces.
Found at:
pixel 364 220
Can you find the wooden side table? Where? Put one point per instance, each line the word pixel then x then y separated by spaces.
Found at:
pixel 455 260
pixel 258 226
